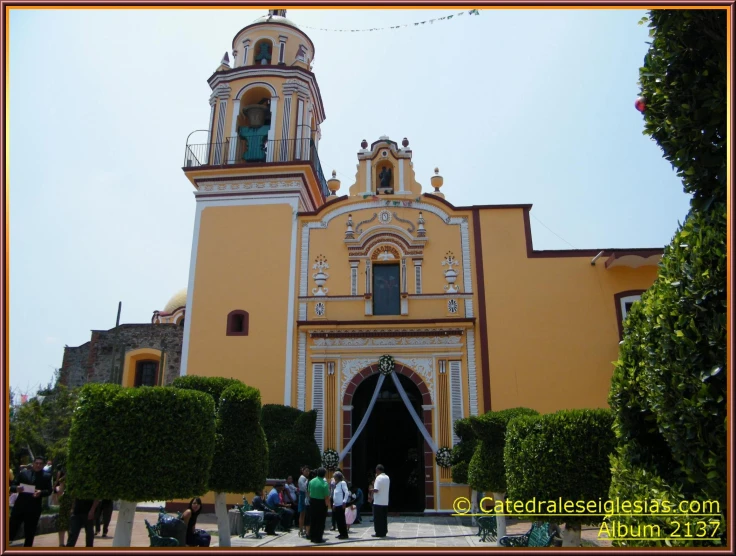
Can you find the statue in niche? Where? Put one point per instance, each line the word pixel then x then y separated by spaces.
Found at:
pixel 385 180
pixel 263 56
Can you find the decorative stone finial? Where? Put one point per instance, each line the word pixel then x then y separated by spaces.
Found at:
pixel 421 232
pixel 349 231
pixel 364 144
pixel 333 184
pixel 225 59
pixel 405 142
pixel 437 182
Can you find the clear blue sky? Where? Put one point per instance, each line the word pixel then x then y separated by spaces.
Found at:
pixel 514 106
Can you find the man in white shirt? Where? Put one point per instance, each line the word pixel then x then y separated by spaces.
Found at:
pixel 380 502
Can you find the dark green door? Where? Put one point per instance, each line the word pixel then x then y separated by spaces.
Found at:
pixel 386 294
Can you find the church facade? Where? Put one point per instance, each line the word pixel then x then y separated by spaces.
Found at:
pixel 299 286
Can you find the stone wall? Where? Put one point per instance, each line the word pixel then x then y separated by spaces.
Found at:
pixel 102 358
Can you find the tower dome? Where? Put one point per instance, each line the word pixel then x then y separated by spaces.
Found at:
pixel 179 299
pixel 273 18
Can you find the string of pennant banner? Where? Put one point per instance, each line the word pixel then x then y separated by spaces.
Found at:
pixel 430 21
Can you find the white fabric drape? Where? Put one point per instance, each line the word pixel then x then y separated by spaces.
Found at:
pixel 365 418
pixel 413 414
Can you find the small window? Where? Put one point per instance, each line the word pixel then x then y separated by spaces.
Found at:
pixel 624 302
pixel 237 323
pixel 146 373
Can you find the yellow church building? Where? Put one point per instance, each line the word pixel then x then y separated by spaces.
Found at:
pixel 299 284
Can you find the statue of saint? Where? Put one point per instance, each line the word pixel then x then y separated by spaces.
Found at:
pixel 385 178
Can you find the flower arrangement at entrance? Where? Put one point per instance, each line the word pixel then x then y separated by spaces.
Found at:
pixel 444 457
pixel 386 365
pixel 330 459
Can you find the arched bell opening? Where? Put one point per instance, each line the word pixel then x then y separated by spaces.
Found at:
pixel 263 52
pixel 254 124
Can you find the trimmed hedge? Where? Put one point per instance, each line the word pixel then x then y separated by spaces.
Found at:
pixel 463 451
pixel 669 387
pixel 487 471
pixel 241 452
pixel 213 385
pixel 137 444
pixel 295 448
pixel 291 444
pixel 560 455
pixel 684 83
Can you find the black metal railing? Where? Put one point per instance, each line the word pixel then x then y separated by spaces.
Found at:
pixel 256 150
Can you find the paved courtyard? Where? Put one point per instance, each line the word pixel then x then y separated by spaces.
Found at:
pixel 403 531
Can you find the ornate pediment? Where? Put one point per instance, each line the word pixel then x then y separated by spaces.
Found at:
pixel 385 236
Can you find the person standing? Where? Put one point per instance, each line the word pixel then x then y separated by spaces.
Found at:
pixel 319 502
pixel 27 507
pixel 83 515
pixel 103 515
pixel 380 502
pixel 340 497
pixel 301 507
pixel 65 506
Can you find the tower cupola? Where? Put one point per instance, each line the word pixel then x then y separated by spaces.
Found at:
pixel 266 109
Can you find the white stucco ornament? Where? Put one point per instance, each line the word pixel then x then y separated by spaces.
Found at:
pixel 450 273
pixel 320 277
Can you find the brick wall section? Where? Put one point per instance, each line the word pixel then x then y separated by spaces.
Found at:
pixel 92 362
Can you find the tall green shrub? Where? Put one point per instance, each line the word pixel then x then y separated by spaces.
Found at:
pixel 684 83
pixel 669 386
pixel 241 452
pixel 213 385
pixel 140 444
pixel 463 451
pixel 668 391
pixel 290 437
pixel 487 471
pixel 563 455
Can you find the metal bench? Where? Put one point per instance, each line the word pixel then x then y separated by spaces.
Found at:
pixel 487 528
pixel 251 523
pixel 156 539
pixel 538 535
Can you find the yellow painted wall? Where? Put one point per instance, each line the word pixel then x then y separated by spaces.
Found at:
pixel 552 326
pixel 242 263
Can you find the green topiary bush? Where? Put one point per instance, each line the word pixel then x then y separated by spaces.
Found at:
pixel 463 451
pixel 140 444
pixel 296 447
pixel 290 435
pixel 563 455
pixel 668 389
pixel 487 471
pixel 684 83
pixel 213 385
pixel 241 452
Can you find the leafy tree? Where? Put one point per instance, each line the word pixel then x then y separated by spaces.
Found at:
pixel 241 451
pixel 487 471
pixel 463 451
pixel 290 435
pixel 668 391
pixel 563 455
pixel 137 444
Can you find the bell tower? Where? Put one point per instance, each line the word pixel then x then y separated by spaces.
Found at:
pixel 253 168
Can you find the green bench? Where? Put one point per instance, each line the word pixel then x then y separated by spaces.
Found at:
pixel 538 535
pixel 251 523
pixel 155 537
pixel 487 528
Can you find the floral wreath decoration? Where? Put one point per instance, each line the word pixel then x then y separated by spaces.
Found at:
pixel 330 459
pixel 444 457
pixel 386 365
